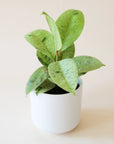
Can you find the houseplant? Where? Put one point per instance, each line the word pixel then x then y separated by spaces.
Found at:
pixel 55 88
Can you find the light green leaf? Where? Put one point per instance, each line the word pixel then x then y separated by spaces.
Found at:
pixel 68 53
pixel 55 31
pixel 65 74
pixel 70 25
pixel 44 87
pixel 44 59
pixel 87 63
pixel 43 41
pixel 36 79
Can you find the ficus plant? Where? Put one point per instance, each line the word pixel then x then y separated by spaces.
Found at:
pixel 55 51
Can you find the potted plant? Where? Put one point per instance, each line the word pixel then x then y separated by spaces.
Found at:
pixel 56 88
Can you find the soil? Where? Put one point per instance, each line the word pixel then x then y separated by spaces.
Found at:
pixel 58 90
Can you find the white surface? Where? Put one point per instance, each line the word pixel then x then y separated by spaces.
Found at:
pixel 18 61
pixel 56 113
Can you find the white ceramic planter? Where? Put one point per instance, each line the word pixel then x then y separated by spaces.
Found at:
pixel 56 113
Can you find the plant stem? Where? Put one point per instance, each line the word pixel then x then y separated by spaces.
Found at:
pixel 53 60
pixel 59 53
pixel 56 56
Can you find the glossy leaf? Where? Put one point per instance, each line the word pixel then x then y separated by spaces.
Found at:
pixel 36 79
pixel 87 63
pixel 65 74
pixel 70 25
pixel 44 87
pixel 68 53
pixel 55 31
pixel 43 41
pixel 44 59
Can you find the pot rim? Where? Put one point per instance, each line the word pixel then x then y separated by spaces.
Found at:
pixel 66 94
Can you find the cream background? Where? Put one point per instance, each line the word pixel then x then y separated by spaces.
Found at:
pixel 18 61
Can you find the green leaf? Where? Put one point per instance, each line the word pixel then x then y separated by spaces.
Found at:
pixel 55 31
pixel 68 53
pixel 44 87
pixel 36 79
pixel 70 25
pixel 65 74
pixel 43 41
pixel 44 59
pixel 50 79
pixel 87 63
pixel 80 74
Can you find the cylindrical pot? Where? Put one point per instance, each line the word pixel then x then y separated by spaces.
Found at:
pixel 56 113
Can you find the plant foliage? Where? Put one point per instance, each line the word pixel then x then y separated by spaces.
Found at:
pixel 55 51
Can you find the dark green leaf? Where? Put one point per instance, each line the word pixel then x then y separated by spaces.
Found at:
pixel 69 52
pixel 70 25
pixel 44 87
pixel 80 74
pixel 44 59
pixel 50 79
pixel 36 79
pixel 65 74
